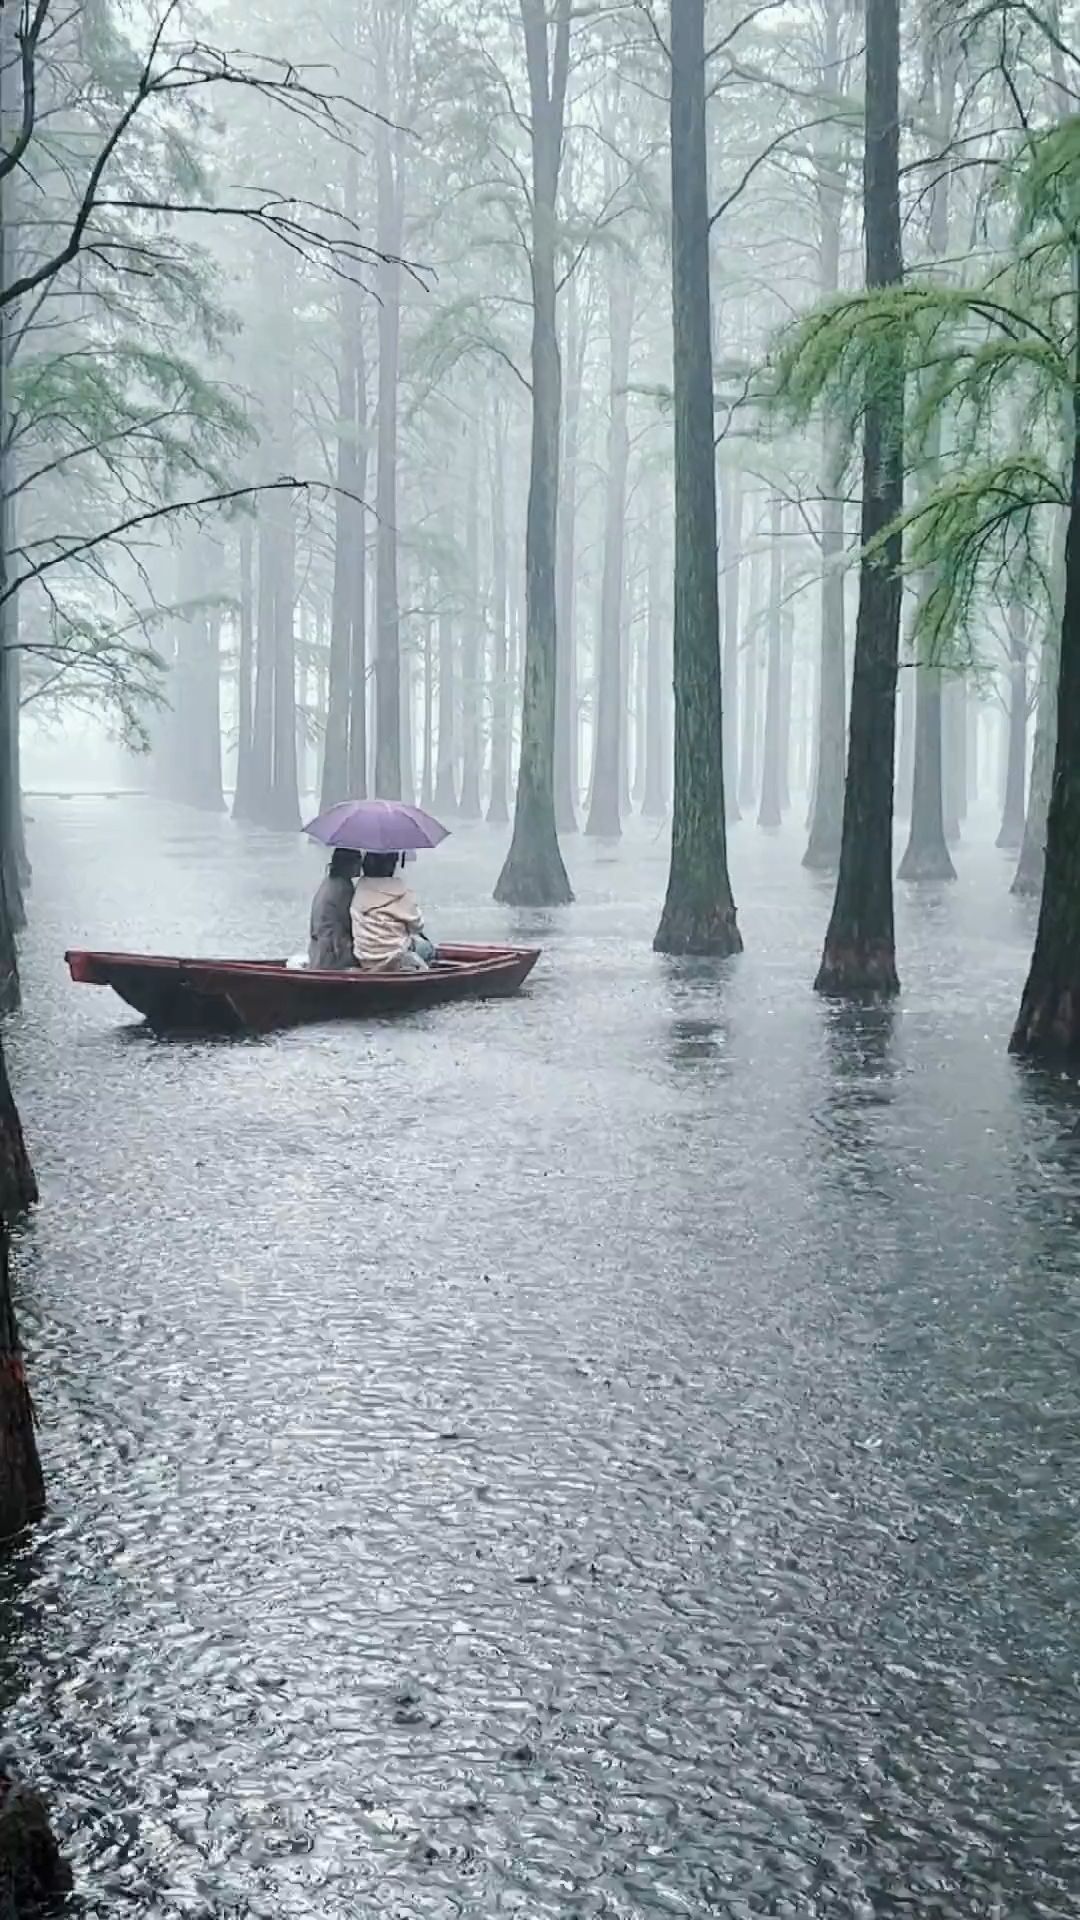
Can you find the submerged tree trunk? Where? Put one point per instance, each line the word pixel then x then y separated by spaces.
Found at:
pixel 827 807
pixel 751 644
pixel 654 799
pixel 1011 831
pixel 393 58
pixel 534 874
pixel 344 770
pixel 860 946
pixel 1048 1024
pixel 195 683
pixel 731 512
pixel 445 761
pixel 566 719
pixel 769 811
pixel 926 856
pixel 498 800
pixel 245 672
pixel 22 1486
pixel 699 911
pixel 1028 878
pixel 472 648
pixel 604 821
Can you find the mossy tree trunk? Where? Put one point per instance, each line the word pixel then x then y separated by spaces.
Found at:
pixel 534 874
pixel 699 911
pixel 860 945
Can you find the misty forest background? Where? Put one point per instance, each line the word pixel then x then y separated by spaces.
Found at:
pixel 341 421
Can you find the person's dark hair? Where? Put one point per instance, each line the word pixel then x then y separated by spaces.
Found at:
pixel 345 864
pixel 380 866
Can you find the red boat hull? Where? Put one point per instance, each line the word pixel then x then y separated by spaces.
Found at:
pixel 260 996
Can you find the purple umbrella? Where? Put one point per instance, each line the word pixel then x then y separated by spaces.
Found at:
pixel 376 826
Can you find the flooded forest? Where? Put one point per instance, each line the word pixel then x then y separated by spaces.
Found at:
pixel 570 1408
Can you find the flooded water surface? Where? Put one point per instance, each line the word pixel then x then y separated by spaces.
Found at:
pixel 612 1453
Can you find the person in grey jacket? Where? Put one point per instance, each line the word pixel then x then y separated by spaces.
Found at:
pixel 330 948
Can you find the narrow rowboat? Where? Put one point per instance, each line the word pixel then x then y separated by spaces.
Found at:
pixel 258 996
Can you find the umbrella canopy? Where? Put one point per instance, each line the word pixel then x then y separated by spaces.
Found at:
pixel 376 826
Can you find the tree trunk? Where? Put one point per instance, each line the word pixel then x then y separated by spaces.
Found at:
pixel 604 821
pixel 1049 1020
pixel 1011 831
pixel 860 946
pixel 657 667
pixel 566 719
pixel 245 672
pixel 954 756
pixel 408 726
pixel 731 512
pixel 699 911
pixel 445 762
pixel 769 811
pixel 926 856
pixel 194 761
pixel 262 732
pixel 498 800
pixel 1028 879
pixel 357 782
pixel 748 752
pixel 284 811
pixel 827 808
pixel 22 1486
pixel 348 531
pixel 472 648
pixel 393 55
pixel 427 780
pixel 534 874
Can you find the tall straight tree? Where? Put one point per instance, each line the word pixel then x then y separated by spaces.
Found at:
pixel 1048 1024
pixel 534 874
pixel 344 771
pixel 566 720
pixel 498 801
pixel 654 799
pixel 860 945
pixel 604 820
pixel 770 811
pixel 699 911
pixel 827 804
pixel 393 37
pixel 927 855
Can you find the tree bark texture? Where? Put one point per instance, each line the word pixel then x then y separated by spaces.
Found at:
pixel 604 820
pixel 567 781
pixel 699 911
pixel 1048 1024
pixel 534 874
pixel 769 809
pixel 860 947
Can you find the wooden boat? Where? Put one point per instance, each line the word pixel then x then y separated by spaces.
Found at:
pixel 259 996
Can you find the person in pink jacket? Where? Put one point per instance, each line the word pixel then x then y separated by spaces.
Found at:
pixel 387 925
